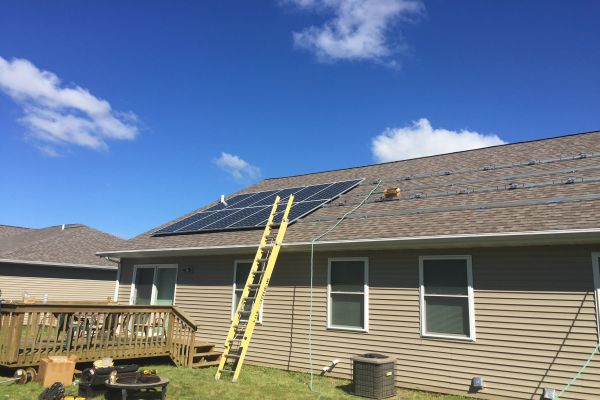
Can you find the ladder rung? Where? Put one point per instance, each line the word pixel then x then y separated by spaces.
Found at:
pixel 266 256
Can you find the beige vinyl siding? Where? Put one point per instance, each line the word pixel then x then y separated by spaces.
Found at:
pixel 535 318
pixel 60 283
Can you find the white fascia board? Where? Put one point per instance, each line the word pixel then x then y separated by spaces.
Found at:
pixel 529 238
pixel 58 264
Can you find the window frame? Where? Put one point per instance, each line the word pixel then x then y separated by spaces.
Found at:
pixel 365 294
pixel 596 275
pixel 234 288
pixel 156 267
pixel 470 296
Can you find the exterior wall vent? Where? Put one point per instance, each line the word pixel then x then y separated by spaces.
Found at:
pixel 477 384
pixel 548 394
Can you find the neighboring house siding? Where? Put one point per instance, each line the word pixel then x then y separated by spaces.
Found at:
pixel 535 318
pixel 61 283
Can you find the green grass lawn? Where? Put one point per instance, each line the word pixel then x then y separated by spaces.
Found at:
pixel 256 383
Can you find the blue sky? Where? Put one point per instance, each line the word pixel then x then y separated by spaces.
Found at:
pixel 118 114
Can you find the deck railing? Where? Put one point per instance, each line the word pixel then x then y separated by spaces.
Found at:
pixel 30 332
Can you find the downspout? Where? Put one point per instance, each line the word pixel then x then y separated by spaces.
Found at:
pixel 116 293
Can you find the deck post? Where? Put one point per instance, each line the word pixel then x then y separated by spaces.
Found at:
pixel 16 331
pixel 191 349
pixel 170 327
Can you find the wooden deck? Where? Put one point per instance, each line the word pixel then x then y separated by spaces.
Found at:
pixel 30 332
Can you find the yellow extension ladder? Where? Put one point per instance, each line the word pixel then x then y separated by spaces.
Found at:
pixel 247 311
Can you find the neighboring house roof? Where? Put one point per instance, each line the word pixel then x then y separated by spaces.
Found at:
pixel 8 230
pixel 75 245
pixel 528 187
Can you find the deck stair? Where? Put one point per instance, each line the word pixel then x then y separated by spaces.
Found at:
pixel 247 312
pixel 204 355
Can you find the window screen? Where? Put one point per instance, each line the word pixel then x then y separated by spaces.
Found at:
pixel 445 292
pixel 347 282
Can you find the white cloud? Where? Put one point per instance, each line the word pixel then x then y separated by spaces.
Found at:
pixel 239 169
pixel 419 139
pixel 48 151
pixel 357 30
pixel 59 115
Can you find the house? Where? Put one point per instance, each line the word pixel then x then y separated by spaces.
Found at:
pixel 58 261
pixel 485 264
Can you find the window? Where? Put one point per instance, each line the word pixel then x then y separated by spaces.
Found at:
pixel 347 291
pixel 446 290
pixel 154 284
pixel 241 270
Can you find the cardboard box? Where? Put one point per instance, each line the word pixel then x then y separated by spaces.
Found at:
pixel 56 369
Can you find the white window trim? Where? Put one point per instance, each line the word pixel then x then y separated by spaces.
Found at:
pixel 596 274
pixel 154 290
pixel 365 294
pixel 470 294
pixel 234 287
pixel 117 281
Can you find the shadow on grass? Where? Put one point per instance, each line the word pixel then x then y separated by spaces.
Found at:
pixel 347 388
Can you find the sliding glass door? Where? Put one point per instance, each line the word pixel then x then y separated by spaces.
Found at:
pixel 154 284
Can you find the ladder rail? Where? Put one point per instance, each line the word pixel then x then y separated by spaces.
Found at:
pixel 262 289
pixel 264 276
pixel 255 264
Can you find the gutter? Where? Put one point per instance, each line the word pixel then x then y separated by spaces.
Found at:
pixel 527 238
pixel 58 264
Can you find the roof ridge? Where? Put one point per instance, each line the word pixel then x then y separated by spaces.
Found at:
pixel 16 226
pixel 435 155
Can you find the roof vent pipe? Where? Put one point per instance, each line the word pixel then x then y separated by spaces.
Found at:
pixel 222 201
pixel 62 227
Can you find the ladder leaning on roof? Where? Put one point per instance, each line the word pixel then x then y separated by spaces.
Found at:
pixel 247 311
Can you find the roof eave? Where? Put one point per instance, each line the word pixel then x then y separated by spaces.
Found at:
pixel 57 264
pixel 530 238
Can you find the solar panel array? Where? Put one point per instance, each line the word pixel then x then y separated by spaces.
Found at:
pixel 251 210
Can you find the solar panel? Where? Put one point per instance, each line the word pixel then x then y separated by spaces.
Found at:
pixel 232 201
pixel 252 210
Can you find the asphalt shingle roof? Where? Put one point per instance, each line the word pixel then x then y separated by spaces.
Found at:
pixel 557 188
pixel 8 230
pixel 75 244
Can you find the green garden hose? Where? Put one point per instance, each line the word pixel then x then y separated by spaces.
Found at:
pixel 312 254
pixel 583 368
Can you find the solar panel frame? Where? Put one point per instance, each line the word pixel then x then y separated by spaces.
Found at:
pixel 232 218
pixel 249 207
pixel 249 202
pixel 231 202
pixel 184 222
